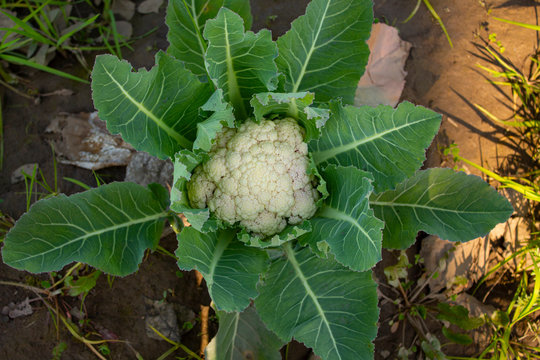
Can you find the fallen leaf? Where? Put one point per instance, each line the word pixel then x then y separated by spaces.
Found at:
pixel 384 78
pixel 83 140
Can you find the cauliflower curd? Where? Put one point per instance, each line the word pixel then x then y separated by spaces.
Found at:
pixel 257 176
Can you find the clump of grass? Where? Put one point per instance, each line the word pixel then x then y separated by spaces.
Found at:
pixel 523 129
pixel 523 125
pixel 42 28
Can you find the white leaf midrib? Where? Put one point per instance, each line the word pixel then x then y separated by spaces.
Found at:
pixel 320 156
pixel 96 233
pixel 311 50
pixel 158 121
pixel 299 273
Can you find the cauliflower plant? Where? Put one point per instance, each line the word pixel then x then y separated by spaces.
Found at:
pixel 257 176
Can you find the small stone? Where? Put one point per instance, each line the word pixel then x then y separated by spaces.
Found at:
pixel 145 169
pixel 18 176
pixel 161 316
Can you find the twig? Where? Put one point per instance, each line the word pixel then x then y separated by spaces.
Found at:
pixel 31 288
pixel 204 327
pixel 199 278
pixel 18 92
pixel 493 286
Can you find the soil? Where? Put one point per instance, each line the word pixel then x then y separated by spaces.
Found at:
pixel 440 77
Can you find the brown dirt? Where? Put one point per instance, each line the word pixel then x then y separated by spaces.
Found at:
pixel 439 77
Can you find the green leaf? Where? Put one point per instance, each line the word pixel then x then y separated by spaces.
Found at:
pixel 186 20
pixel 320 303
pixel 156 111
pixel 449 204
pixel 242 64
pixel 108 227
pixel 432 348
pixel 294 105
pixel 345 221
pixel 389 143
pixel 458 338
pixel 325 50
pixel 459 316
pixel 291 232
pixel 208 129
pixel 243 336
pixel 82 284
pixel 184 163
pixel 230 268
pixel 500 318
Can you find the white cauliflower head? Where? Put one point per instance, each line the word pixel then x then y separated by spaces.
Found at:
pixel 257 176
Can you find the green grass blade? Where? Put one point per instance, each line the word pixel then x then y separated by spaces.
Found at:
pixel 27 30
pixel 66 36
pixel 115 35
pixel 439 20
pixel 1 136
pixel 25 62
pixel 13 44
pixel 524 25
pixel 413 12
pixel 77 182
pixel 46 28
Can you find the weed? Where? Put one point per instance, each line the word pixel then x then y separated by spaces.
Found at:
pixel 435 16
pixel 41 29
pixel 523 126
pixel 175 346
pixel 415 308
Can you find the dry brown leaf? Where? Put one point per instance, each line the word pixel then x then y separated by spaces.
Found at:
pixel 384 79
pixel 83 140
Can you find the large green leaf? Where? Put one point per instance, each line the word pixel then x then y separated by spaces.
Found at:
pixel 156 111
pixel 345 221
pixel 294 105
pixel 230 268
pixel 186 19
pixel 325 50
pixel 389 143
pixel 242 64
pixel 108 227
pixel 243 336
pixel 320 303
pixel 449 204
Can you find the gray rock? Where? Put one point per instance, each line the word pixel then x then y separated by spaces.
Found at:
pixel 145 169
pixel 17 174
pixel 161 316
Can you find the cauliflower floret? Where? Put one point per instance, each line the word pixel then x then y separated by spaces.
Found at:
pixel 257 176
